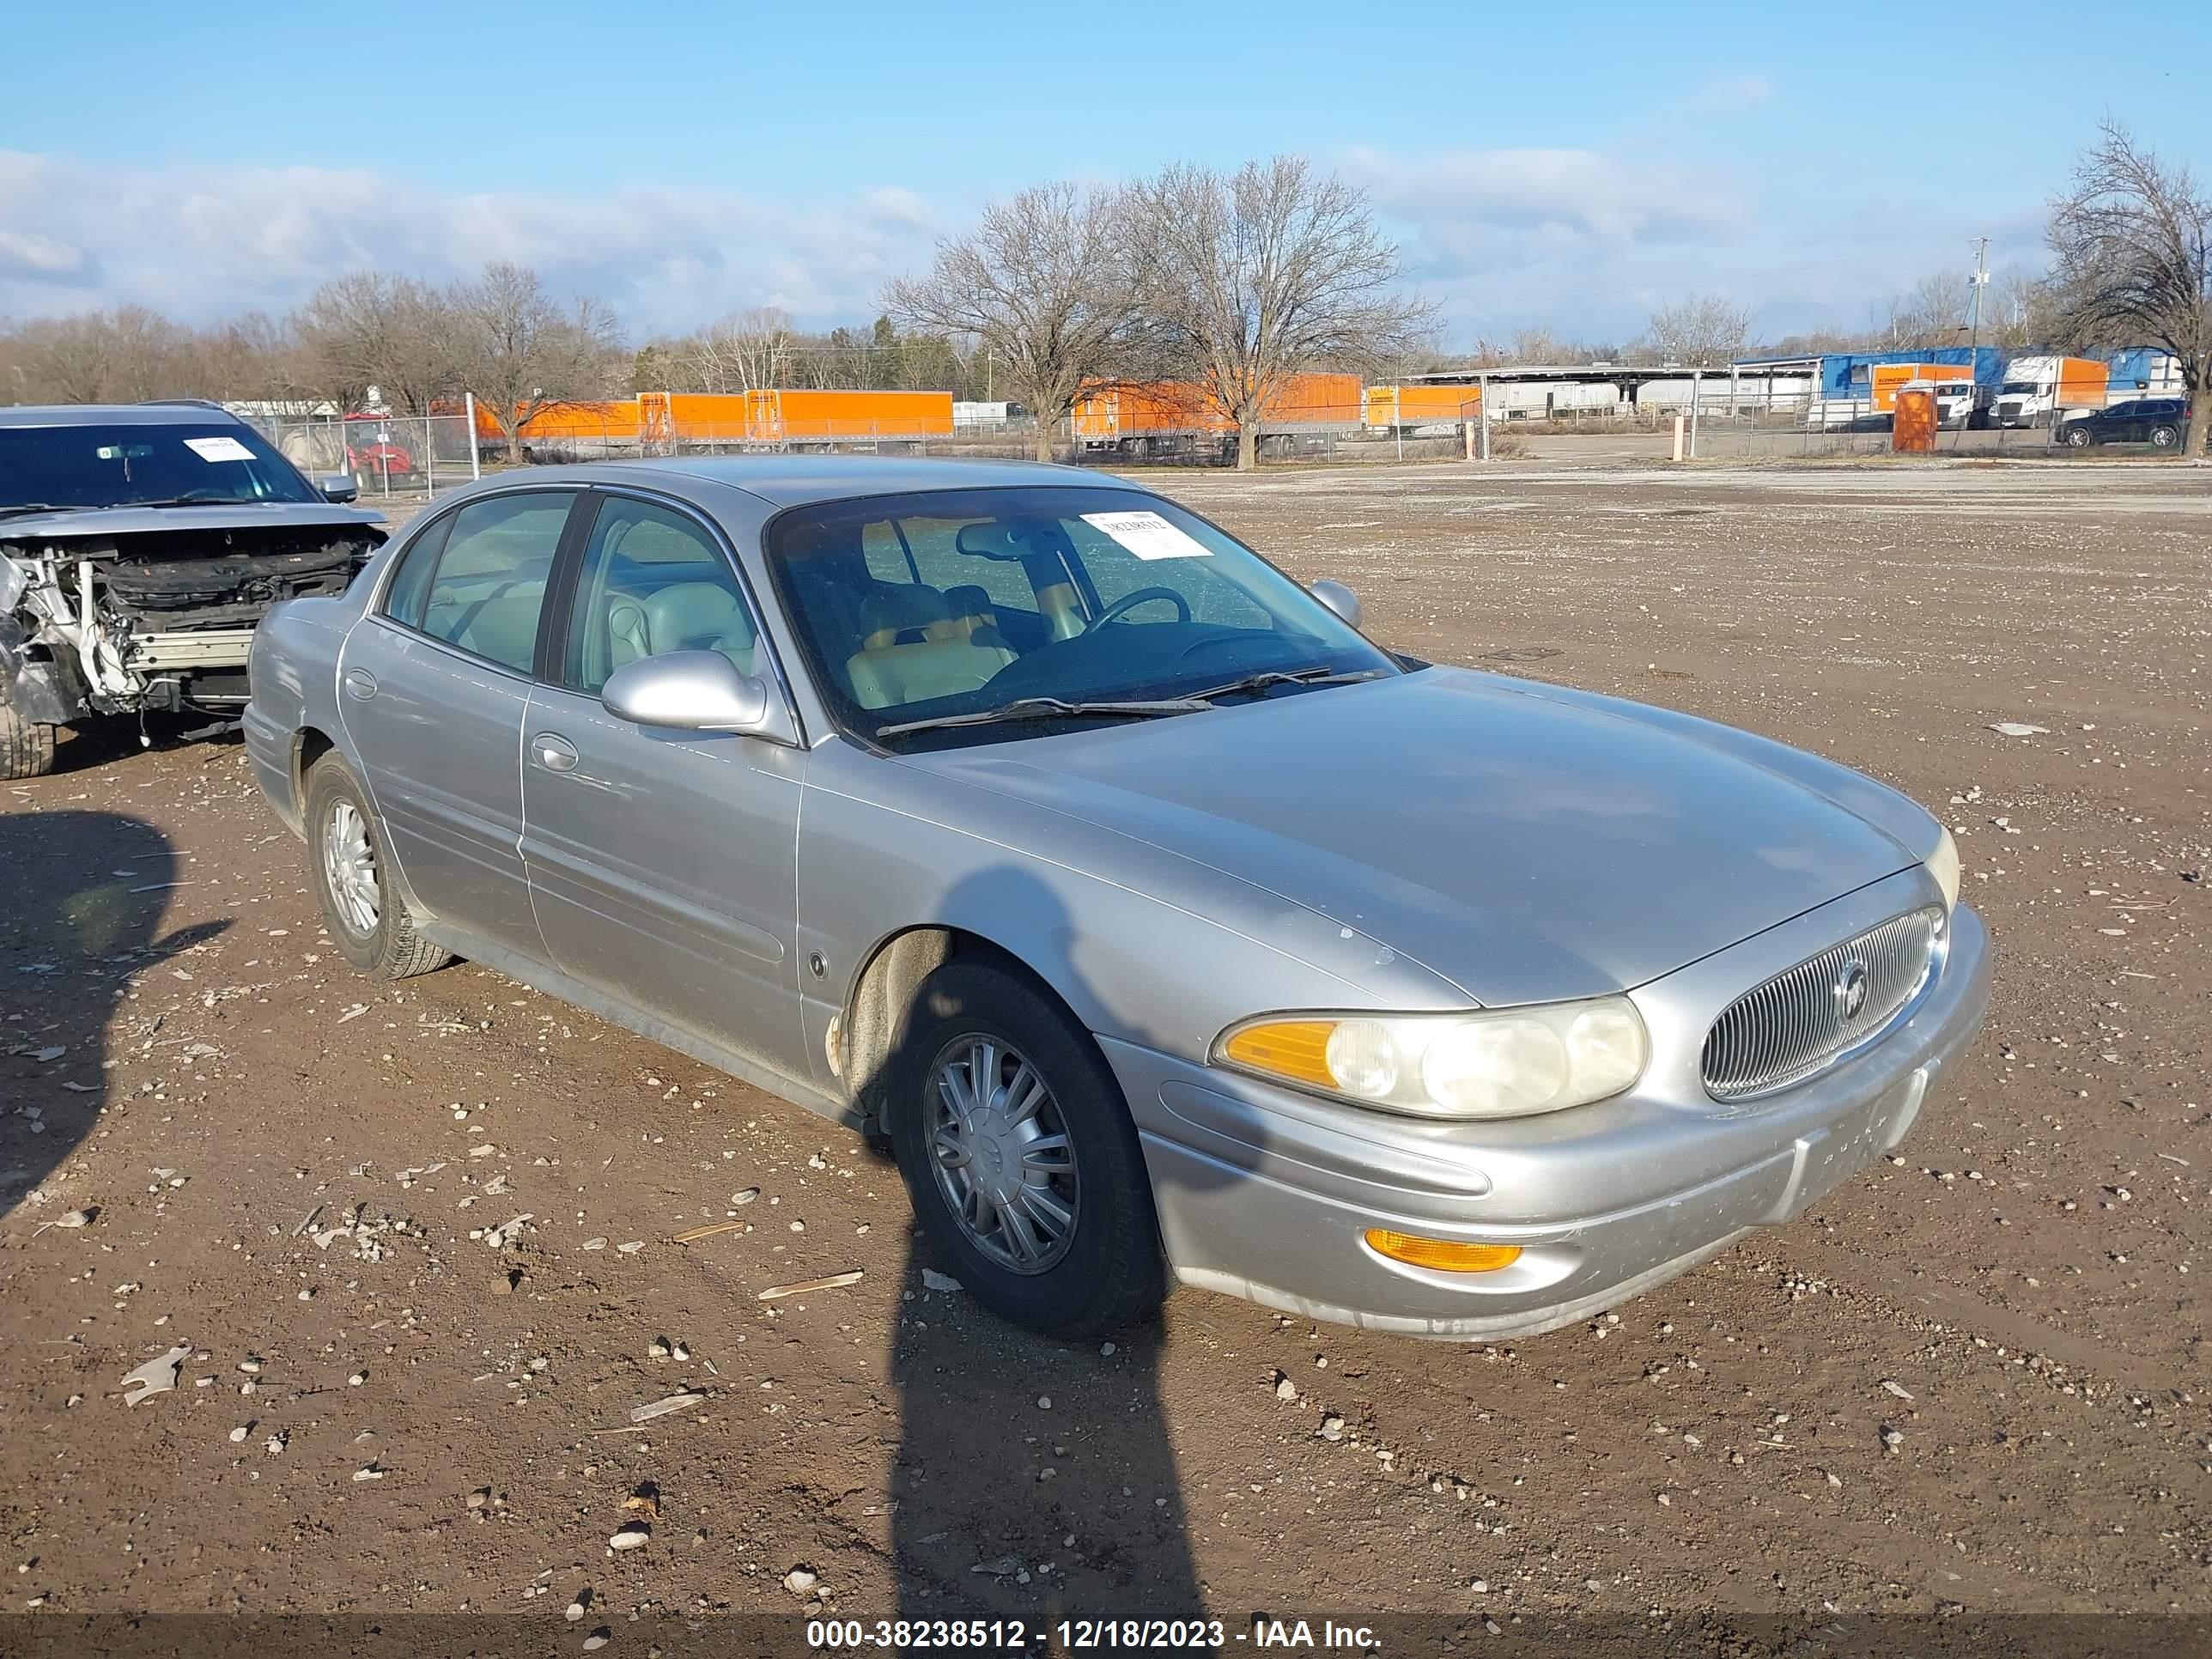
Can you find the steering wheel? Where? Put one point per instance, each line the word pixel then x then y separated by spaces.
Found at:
pixel 1130 601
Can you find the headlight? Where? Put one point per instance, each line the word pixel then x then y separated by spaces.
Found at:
pixel 1506 1063
pixel 1943 864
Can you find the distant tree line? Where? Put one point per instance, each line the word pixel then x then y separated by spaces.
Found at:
pixel 1233 281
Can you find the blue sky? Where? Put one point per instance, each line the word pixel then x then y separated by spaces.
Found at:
pixel 1568 166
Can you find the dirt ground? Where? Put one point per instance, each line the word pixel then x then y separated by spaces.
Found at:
pixel 418 1242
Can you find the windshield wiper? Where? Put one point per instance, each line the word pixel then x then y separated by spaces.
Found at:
pixel 1048 708
pixel 186 500
pixel 37 507
pixel 1319 676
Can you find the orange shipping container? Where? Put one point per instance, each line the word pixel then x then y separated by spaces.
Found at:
pixel 1421 405
pixel 2083 383
pixel 1886 377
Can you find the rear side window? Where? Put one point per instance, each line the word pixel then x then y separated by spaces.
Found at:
pixel 486 589
pixel 410 585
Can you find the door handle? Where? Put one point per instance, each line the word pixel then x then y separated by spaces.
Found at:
pixel 360 682
pixel 554 753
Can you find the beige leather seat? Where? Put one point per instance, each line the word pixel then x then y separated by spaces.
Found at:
pixel 682 616
pixel 914 647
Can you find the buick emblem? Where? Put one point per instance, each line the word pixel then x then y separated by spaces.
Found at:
pixel 1851 991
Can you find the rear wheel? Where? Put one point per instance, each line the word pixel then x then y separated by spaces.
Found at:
pixel 366 916
pixel 2164 437
pixel 1019 1155
pixel 27 747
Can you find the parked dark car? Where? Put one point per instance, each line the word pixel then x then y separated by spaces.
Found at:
pixel 2158 421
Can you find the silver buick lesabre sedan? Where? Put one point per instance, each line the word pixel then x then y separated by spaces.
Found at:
pixel 1164 923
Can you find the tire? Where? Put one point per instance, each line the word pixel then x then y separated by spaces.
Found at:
pixel 379 938
pixel 2077 437
pixel 27 747
pixel 2164 437
pixel 1108 1271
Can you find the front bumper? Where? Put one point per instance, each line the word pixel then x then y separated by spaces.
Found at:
pixel 1264 1193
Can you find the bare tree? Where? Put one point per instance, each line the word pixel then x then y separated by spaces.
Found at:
pixel 373 329
pixel 1255 276
pixel 1041 284
pixel 522 353
pixel 747 350
pixel 2132 256
pixel 1702 329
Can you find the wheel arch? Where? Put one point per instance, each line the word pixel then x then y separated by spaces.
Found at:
pixel 869 1028
pixel 309 744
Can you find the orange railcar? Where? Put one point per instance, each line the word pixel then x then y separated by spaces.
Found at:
pixel 1108 412
pixel 732 417
pixel 1423 404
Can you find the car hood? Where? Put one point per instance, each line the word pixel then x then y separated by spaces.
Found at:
pixel 104 523
pixel 1525 845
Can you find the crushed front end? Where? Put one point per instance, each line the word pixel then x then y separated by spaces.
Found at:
pixel 123 616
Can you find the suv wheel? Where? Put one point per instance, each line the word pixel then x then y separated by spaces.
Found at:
pixel 2077 437
pixel 2164 437
pixel 1020 1157
pixel 27 747
pixel 366 916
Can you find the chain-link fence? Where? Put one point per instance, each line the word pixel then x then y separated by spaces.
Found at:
pixel 388 455
pixel 395 456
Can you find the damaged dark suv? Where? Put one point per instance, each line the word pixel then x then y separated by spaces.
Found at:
pixel 139 546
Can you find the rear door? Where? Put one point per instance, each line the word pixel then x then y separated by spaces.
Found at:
pixel 434 684
pixel 663 863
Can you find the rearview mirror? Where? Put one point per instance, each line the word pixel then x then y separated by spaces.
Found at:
pixel 1337 597
pixel 338 487
pixel 689 691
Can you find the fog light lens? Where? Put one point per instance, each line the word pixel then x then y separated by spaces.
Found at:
pixel 1450 1255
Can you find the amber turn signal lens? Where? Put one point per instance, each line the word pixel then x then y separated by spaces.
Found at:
pixel 1445 1255
pixel 1294 1048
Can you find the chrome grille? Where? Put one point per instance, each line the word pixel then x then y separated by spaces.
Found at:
pixel 1801 1018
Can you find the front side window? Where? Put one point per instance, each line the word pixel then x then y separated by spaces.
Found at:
pixel 1074 593
pixel 652 581
pixel 487 590
pixel 190 463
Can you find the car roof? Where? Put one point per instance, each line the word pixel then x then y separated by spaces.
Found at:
pixel 796 480
pixel 154 414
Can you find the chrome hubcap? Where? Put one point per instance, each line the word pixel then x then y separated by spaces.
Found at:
pixel 1001 1155
pixel 350 867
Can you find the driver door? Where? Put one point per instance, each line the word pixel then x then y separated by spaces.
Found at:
pixel 663 864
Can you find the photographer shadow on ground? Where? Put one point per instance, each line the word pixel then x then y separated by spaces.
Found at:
pixel 82 895
pixel 1036 1476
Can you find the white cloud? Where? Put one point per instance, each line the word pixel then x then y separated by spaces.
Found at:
pixel 1731 95
pixel 205 241
pixel 1578 239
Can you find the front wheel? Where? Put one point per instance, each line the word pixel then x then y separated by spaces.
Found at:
pixel 2076 438
pixel 1019 1155
pixel 27 747
pixel 365 914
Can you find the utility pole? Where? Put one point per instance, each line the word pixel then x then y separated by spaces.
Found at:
pixel 1981 282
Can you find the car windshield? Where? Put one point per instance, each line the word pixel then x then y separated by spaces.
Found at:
pixel 912 608
pixel 131 464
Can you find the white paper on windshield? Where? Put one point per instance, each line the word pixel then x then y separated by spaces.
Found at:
pixel 1148 536
pixel 219 449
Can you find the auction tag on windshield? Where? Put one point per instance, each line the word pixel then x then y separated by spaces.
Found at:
pixel 1148 536
pixel 219 449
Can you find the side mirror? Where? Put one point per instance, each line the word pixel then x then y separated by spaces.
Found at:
pixel 1337 597
pixel 338 487
pixel 689 691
